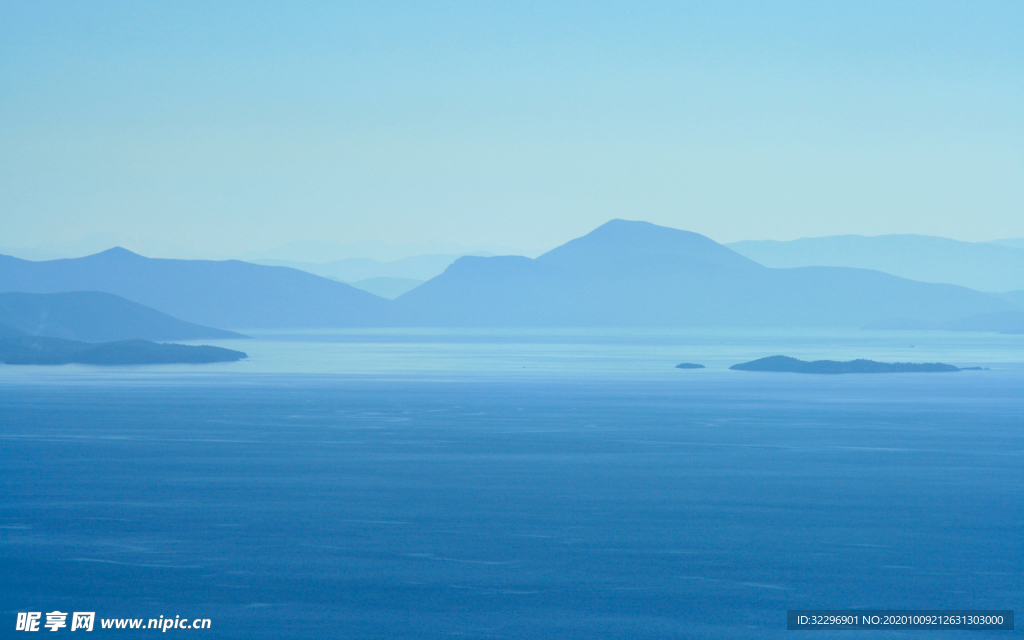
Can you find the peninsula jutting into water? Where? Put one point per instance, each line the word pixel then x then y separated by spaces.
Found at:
pixel 40 350
pixel 785 364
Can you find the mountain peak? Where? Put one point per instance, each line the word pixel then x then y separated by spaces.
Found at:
pixel 654 236
pixel 117 252
pixel 630 241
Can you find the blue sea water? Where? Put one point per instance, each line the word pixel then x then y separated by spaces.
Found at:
pixel 515 485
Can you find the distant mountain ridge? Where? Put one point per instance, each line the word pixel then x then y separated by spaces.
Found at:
pixel 1015 297
pixel 226 293
pixel 52 351
pixel 623 244
pixel 1010 242
pixel 93 316
pixel 389 288
pixel 352 270
pixel 628 273
pixel 984 266
pixel 622 274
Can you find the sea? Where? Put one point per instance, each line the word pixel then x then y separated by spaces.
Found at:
pixel 515 484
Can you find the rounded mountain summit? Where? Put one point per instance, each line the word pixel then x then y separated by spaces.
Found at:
pixel 637 274
pixel 622 274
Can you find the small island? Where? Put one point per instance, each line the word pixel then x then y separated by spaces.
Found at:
pixel 786 364
pixel 41 350
pixel 689 365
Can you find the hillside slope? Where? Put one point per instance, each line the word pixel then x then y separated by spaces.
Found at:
pixel 92 316
pixel 638 274
pixel 230 294
pixel 984 266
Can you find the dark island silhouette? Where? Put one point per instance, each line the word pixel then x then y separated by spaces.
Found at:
pixel 689 365
pixel 49 351
pixel 785 364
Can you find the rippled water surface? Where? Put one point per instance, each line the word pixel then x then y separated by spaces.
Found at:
pixel 515 485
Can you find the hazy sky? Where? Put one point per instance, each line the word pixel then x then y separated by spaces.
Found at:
pixel 225 127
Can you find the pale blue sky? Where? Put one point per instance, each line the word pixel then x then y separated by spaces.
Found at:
pixel 228 127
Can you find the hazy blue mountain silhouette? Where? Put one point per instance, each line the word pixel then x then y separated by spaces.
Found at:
pixel 1016 297
pixel 226 293
pixel 621 274
pixel 985 266
pixel 639 274
pixel 92 316
pixel 1010 242
pixel 389 288
pixel 625 246
pixel 48 351
pixel 352 270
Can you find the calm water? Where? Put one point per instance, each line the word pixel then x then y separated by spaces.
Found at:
pixel 515 485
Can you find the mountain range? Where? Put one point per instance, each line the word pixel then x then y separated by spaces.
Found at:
pixel 51 351
pixel 638 274
pixel 327 251
pixel 986 266
pixel 229 293
pixel 386 287
pixel 1011 242
pixel 623 273
pixel 93 316
pixel 352 270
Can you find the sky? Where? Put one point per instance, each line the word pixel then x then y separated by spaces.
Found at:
pixel 222 129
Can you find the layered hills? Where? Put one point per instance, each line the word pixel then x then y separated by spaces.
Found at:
pixel 227 294
pixel 50 351
pixel 92 316
pixel 625 274
pixel 353 270
pixel 89 327
pixel 638 274
pixel 985 266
